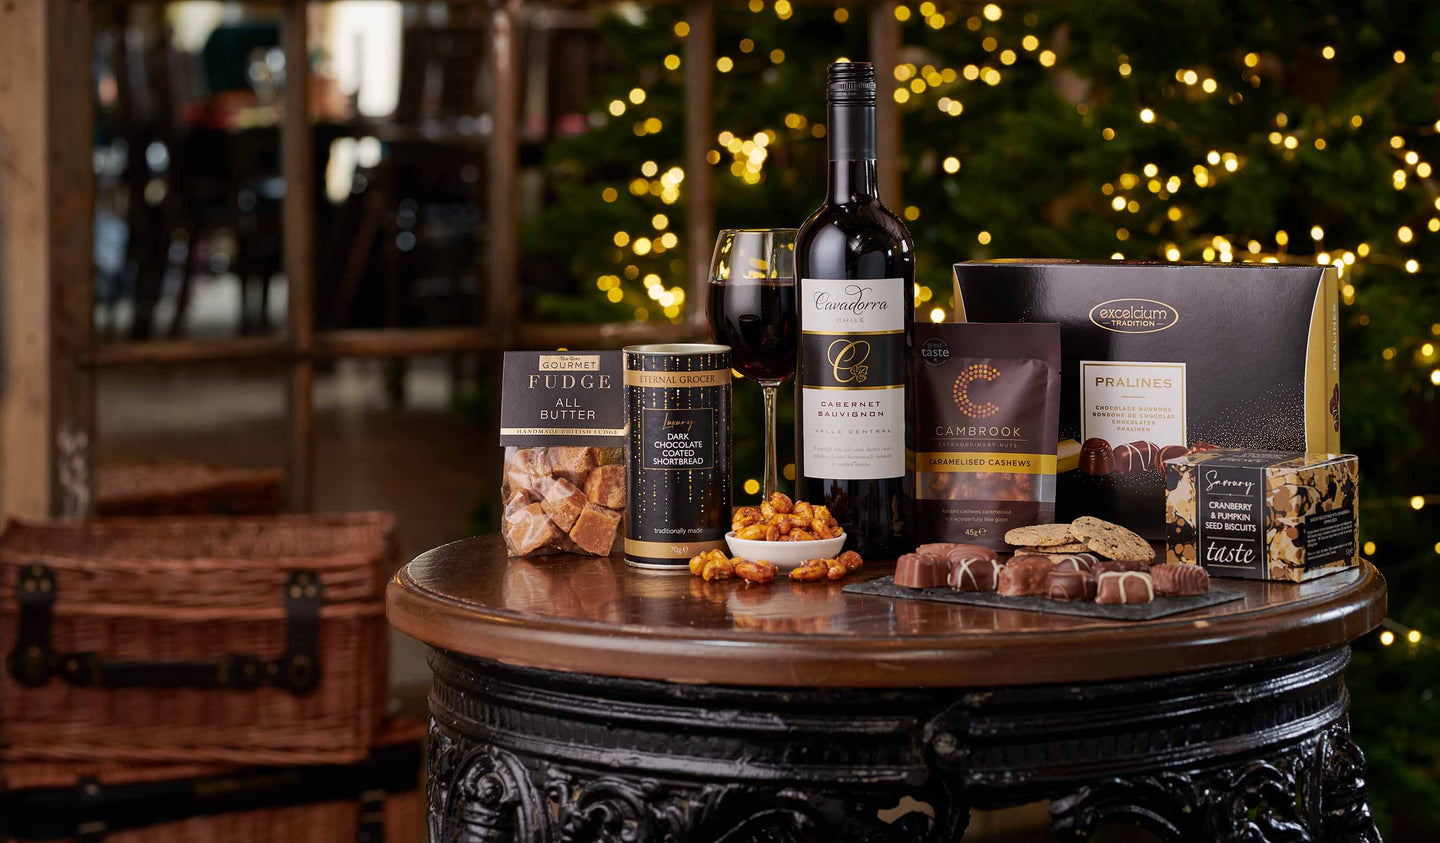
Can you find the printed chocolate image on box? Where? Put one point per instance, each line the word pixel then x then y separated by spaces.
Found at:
pixel 1263 514
pixel 1161 360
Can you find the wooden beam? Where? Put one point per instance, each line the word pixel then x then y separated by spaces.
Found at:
pixel 502 301
pixel 699 131
pixel 47 200
pixel 387 342
pixel 297 142
pixel 885 53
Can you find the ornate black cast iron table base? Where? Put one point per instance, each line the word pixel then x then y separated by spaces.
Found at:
pixel 1254 753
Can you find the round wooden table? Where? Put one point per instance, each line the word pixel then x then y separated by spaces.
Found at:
pixel 580 699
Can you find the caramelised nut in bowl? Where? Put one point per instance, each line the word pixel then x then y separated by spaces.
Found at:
pixel 784 532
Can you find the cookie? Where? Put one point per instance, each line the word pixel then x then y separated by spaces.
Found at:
pixel 1040 535
pixel 1073 547
pixel 1111 540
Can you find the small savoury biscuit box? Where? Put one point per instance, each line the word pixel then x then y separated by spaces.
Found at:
pixel 1164 359
pixel 1273 515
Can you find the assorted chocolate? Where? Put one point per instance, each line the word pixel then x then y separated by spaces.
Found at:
pixel 1070 585
pixel 1176 580
pixel 1124 587
pixel 973 574
pixel 1088 559
pixel 1275 515
pixel 1025 576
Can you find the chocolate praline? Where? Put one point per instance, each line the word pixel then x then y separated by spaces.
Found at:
pixel 915 570
pixel 1096 457
pixel 1024 576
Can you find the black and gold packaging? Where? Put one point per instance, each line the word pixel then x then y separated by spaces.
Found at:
pixel 677 407
pixel 1161 360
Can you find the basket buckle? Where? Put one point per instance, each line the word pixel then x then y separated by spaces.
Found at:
pixel 33 662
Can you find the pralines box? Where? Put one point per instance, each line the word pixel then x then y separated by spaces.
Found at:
pixel 1161 360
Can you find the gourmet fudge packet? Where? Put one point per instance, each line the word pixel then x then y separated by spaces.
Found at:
pixel 1162 359
pixel 986 404
pixel 562 424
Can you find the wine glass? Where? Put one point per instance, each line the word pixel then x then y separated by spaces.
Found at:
pixel 752 309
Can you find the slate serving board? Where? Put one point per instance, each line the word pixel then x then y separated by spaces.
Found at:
pixel 1159 608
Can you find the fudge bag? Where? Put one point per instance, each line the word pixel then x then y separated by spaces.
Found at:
pixel 987 405
pixel 562 424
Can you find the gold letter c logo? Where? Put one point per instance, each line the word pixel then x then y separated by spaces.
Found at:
pixel 847 360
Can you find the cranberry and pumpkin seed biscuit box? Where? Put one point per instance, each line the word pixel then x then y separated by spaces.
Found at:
pixel 1162 359
pixel 1263 514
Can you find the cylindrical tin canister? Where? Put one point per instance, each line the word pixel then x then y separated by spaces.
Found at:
pixel 677 407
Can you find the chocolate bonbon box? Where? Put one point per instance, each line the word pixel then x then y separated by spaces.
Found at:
pixel 1160 360
pixel 1263 514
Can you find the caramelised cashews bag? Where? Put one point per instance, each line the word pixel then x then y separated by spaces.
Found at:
pixel 986 419
pixel 562 424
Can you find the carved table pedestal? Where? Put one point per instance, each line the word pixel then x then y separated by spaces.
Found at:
pixel 578 699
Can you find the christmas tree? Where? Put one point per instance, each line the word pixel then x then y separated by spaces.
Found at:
pixel 1199 131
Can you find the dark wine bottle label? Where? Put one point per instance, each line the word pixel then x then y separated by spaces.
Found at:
pixel 853 391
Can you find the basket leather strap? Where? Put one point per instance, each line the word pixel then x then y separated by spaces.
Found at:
pixel 90 826
pixel 372 817
pixel 34 663
pixel 299 668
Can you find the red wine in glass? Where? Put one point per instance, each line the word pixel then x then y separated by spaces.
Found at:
pixel 752 309
pixel 756 318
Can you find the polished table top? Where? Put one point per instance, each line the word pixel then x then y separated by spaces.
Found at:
pixel 601 616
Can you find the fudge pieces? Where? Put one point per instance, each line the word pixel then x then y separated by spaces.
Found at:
pixel 563 503
pixel 595 529
pixel 529 529
pixel 563 500
pixel 606 486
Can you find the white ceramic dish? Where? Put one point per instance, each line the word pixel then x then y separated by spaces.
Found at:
pixel 785 555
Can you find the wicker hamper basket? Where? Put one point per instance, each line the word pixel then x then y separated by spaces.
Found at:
pixel 194 640
pixel 375 801
pixel 181 487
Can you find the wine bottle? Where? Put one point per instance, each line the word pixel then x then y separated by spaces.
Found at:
pixel 855 264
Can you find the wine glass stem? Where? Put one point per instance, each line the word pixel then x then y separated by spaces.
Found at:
pixel 772 481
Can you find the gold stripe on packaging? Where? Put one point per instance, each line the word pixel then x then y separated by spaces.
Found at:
pixel 981 462
pixel 707 377
pixel 670 550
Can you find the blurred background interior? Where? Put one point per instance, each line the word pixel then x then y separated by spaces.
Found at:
pixel 292 238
